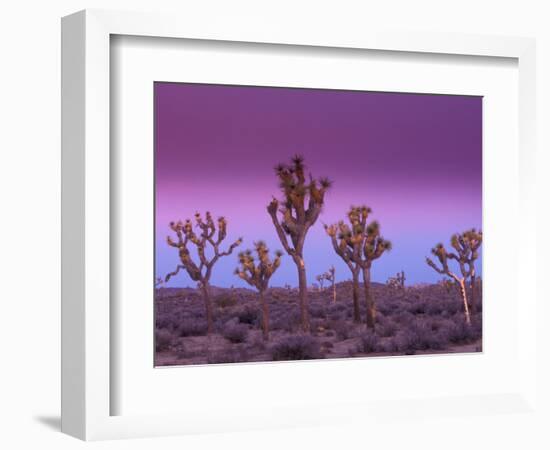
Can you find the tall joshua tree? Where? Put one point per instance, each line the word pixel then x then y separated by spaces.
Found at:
pixel 359 243
pixel 257 274
pixel 443 256
pixel 294 215
pixel 467 245
pixel 205 239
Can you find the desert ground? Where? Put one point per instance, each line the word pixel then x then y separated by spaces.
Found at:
pixel 420 319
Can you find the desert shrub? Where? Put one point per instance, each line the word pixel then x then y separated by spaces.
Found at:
pixel 405 341
pixel 318 324
pixel 418 307
pixel 404 319
pixel 317 311
pixel 389 307
pixel 192 327
pixel 163 340
pixel 387 345
pixel 420 335
pixel 227 355
pixel 368 342
pixel 341 328
pixel 459 332
pixel 336 307
pixel 235 333
pixel 288 321
pixel 162 321
pixel 257 344
pixel 249 315
pixel 225 300
pixel 296 348
pixel 453 306
pixel 386 328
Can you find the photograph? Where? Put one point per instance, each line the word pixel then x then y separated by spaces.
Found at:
pixel 304 224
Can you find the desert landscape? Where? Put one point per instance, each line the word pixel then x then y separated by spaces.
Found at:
pixel 410 320
pixel 368 243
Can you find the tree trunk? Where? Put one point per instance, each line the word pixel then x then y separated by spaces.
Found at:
pixel 333 291
pixel 208 306
pixel 265 316
pixel 371 309
pixel 356 310
pixel 473 294
pixel 462 288
pixel 302 281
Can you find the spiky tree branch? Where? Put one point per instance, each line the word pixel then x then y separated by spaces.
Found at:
pixel 257 274
pixel 208 235
pixel 292 216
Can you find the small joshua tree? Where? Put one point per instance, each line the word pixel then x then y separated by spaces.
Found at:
pixel 206 238
pixel 467 245
pixel 321 280
pixel 398 281
pixel 359 244
pixel 330 276
pixel 443 256
pixel 401 279
pixel 294 215
pixel 158 282
pixel 257 274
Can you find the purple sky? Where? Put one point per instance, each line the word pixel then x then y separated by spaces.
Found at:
pixel 414 159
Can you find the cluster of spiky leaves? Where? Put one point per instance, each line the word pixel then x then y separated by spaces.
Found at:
pixel 466 246
pixel 301 205
pixel 210 234
pixel 442 255
pixel 358 242
pixel 257 271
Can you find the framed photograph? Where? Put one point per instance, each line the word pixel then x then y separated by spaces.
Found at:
pixel 267 228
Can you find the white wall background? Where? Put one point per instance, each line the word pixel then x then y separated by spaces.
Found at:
pixel 30 188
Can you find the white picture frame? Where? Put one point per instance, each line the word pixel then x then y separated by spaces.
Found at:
pixel 87 385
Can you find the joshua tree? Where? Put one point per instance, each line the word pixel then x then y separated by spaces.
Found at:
pixel 258 275
pixel 330 276
pixel 158 282
pixel 401 278
pixel 321 280
pixel 359 244
pixel 443 256
pixel 467 245
pixel 206 238
pixel 398 281
pixel 294 215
